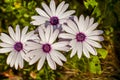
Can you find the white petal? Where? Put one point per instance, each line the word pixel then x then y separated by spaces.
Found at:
pixel 66 49
pixel 91 21
pixel 41 62
pixel 68 29
pixel 59 8
pixel 18 36
pixel 10 57
pixel 66 14
pixel 94 43
pixel 12 63
pixel 23 55
pixel 47 9
pixel 41 12
pixel 60 44
pixel 51 62
pixel 17 61
pixel 90 48
pixel 92 27
pixel 5 38
pixel 54 36
pixel 76 20
pixel 21 62
pixel 81 23
pixel 34 59
pixel 52 6
pixel 47 33
pixel 12 33
pixel 73 43
pixel 86 23
pixel 64 8
pixel 24 32
pixel 42 34
pixel 79 51
pixel 74 50
pixel 28 36
pixel 59 55
pixel 95 32
pixel 56 59
pixel 5 50
pixel 85 51
pixel 67 36
pixel 96 38
pixel 6 45
pixel 72 25
pixel 40 18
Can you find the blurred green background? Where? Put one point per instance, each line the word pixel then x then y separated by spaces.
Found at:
pixel 105 66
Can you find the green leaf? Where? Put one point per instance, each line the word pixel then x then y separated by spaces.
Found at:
pixel 94 65
pixel 103 53
pixel 91 3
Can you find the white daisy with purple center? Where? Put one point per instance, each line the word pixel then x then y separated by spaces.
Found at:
pixel 51 15
pixel 83 36
pixel 15 43
pixel 46 48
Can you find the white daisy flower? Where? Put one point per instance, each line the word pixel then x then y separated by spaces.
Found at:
pixel 15 44
pixel 47 49
pixel 52 15
pixel 83 36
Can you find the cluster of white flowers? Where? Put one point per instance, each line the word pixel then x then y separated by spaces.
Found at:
pixel 57 33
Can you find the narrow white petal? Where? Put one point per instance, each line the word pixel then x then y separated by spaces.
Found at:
pixel 41 62
pixel 86 24
pixel 72 25
pixel 47 33
pixel 6 45
pixel 56 59
pixel 18 36
pixel 23 55
pixel 66 14
pixel 85 51
pixel 12 63
pixel 42 34
pixel 80 49
pixel 74 50
pixel 21 62
pixel 59 8
pixel 17 61
pixel 10 57
pixel 5 50
pixel 92 27
pixel 28 36
pixel 41 12
pixel 12 33
pixel 60 44
pixel 24 32
pixel 5 38
pixel 51 62
pixel 68 29
pixel 73 43
pixel 90 48
pixel 64 8
pixel 96 38
pixel 37 22
pixel 52 6
pixel 76 20
pixel 34 59
pixel 40 18
pixel 54 36
pixel 47 9
pixel 66 49
pixel 67 36
pixel 94 43
pixel 81 23
pixel 91 21
pixel 59 55
pixel 95 32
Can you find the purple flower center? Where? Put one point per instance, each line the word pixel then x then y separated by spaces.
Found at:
pixel 46 48
pixel 80 37
pixel 54 20
pixel 18 46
